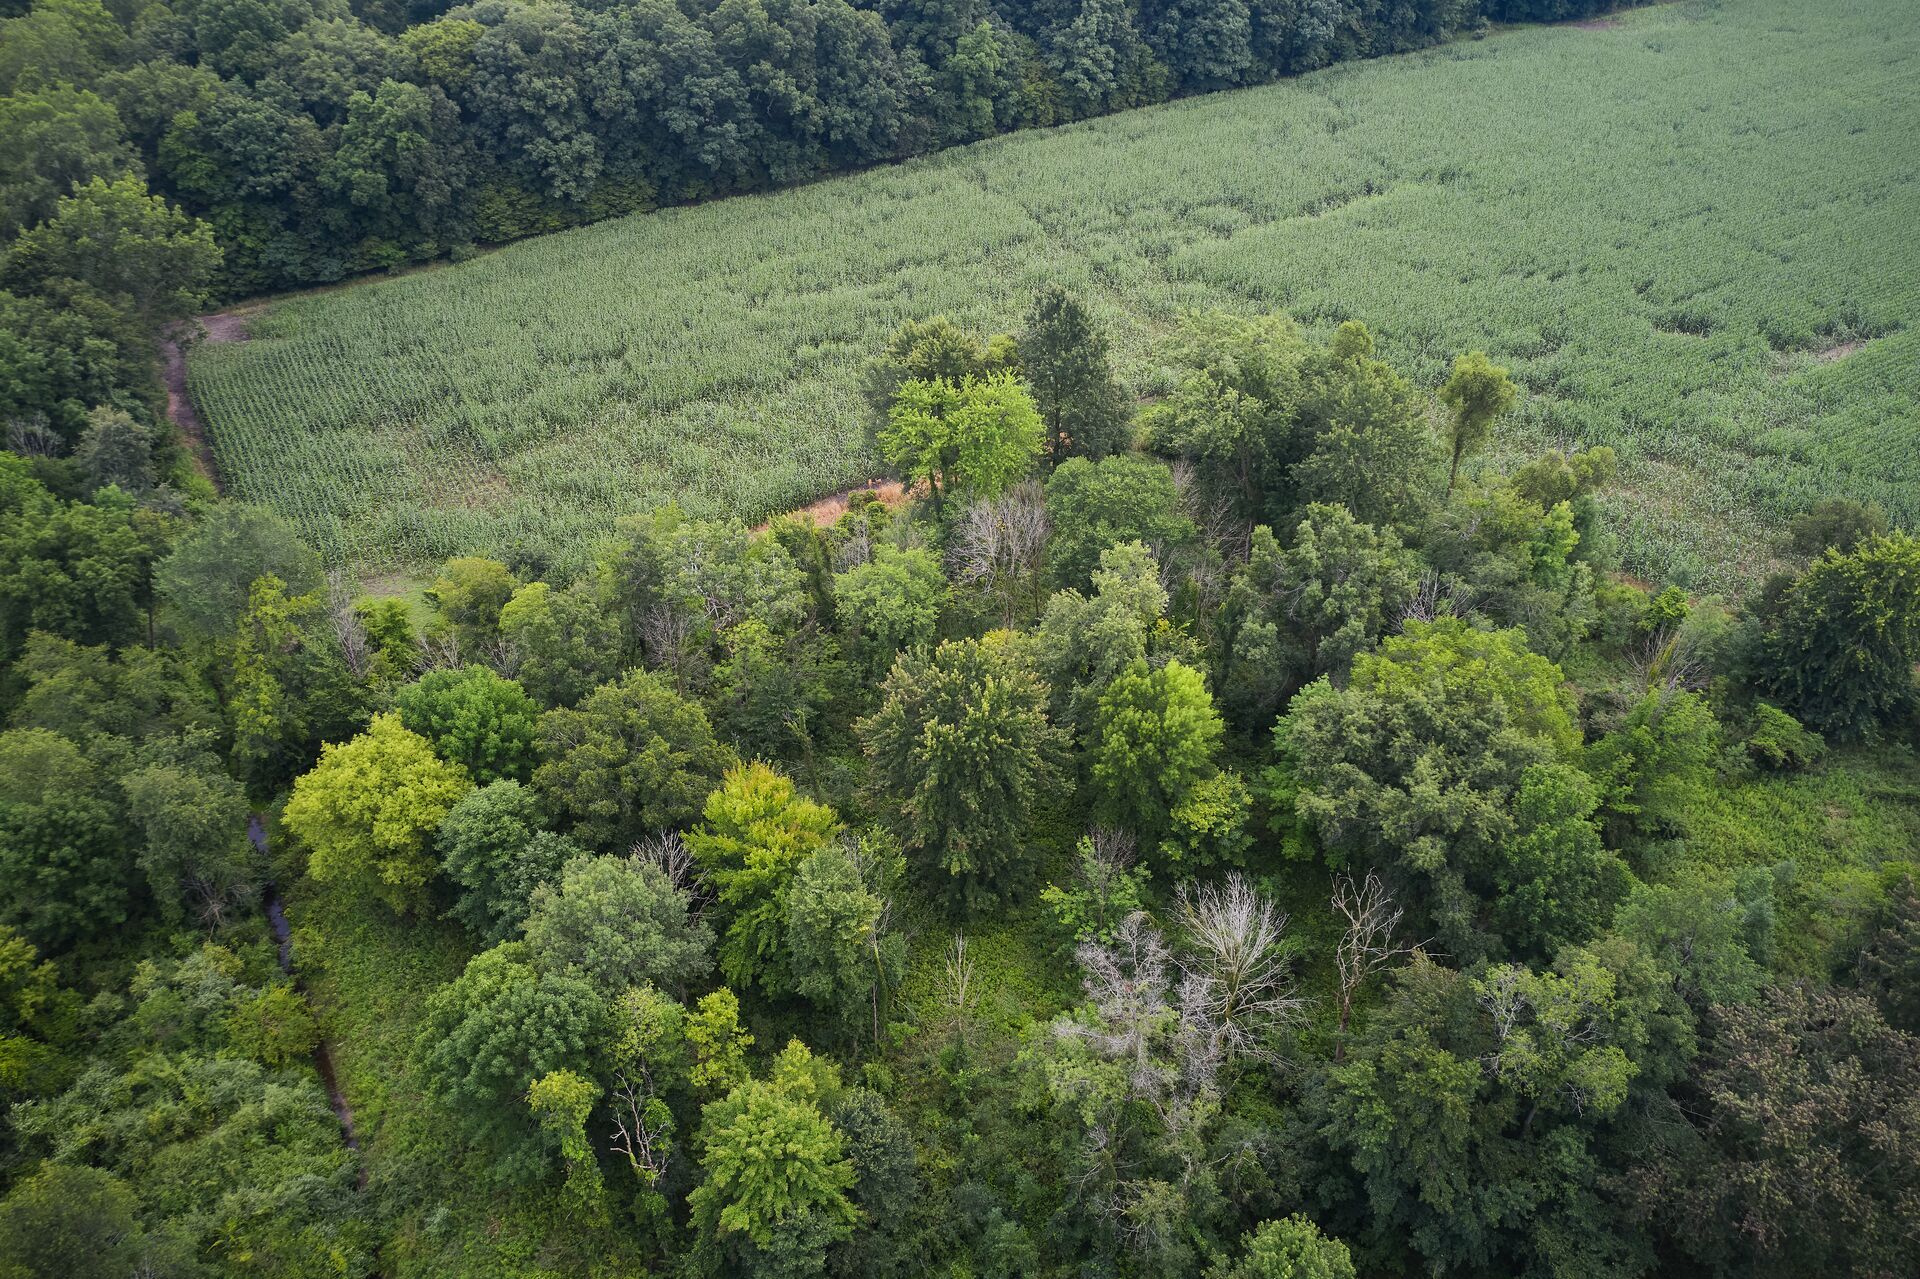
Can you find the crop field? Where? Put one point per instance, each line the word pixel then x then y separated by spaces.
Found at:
pixel 1693 232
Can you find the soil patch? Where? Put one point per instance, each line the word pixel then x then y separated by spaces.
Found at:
pixel 828 510
pixel 1839 352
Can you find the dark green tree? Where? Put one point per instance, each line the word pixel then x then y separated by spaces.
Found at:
pixel 1096 505
pixel 1063 359
pixel 960 751
pixel 128 245
pixel 1802 1153
pixel 489 1034
pixel 635 757
pixel 65 868
pixel 1839 650
pixel 70 1221
pixel 494 848
pixel 474 718
pixel 618 922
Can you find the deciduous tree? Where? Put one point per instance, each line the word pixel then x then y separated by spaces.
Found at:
pixel 757 832
pixel 474 718
pixel 369 810
pixel 632 758
pixel 960 750
pixel 1476 392
pixel 1063 358
pixel 972 439
pixel 618 922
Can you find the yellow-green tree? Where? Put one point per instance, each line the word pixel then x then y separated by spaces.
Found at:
pixel 757 830
pixel 777 1174
pixel 369 809
pixel 975 436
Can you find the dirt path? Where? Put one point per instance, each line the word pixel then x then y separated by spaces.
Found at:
pixel 227 326
pixel 322 1055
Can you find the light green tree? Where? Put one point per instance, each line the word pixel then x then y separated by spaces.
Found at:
pixel 756 832
pixel 368 811
pixel 564 641
pixel 840 953
pixel 1096 505
pixel 969 438
pixel 1414 765
pixel 774 1164
pixel 1290 1248
pixel 561 1102
pixel 1155 736
pixel 891 602
pixel 718 1042
pixel 131 246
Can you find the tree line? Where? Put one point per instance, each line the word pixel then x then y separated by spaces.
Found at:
pixel 1392 946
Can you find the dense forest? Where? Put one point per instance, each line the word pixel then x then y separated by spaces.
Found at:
pixel 1389 880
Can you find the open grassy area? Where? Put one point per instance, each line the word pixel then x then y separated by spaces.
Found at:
pixel 1691 231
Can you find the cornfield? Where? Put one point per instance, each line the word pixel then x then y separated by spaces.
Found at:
pixel 1693 234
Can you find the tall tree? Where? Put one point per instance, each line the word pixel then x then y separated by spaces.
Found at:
pixel 1804 1153
pixel 493 847
pixel 1063 357
pixel 1839 650
pixel 618 922
pixel 1475 393
pixel 64 864
pixel 777 1179
pixel 758 831
pixel 1096 505
pixel 973 438
pixel 1415 766
pixel 960 750
pixel 474 718
pixel 489 1034
pixel 635 757
pixel 1155 736
pixel 125 243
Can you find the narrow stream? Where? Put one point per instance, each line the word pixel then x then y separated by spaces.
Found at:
pixel 322 1055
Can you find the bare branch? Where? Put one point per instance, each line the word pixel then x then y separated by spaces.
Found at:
pixel 348 630
pixel 1242 981
pixel 997 545
pixel 668 852
pixel 1368 945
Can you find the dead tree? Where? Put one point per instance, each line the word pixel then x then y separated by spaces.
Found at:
pixel 1237 974
pixel 1367 946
